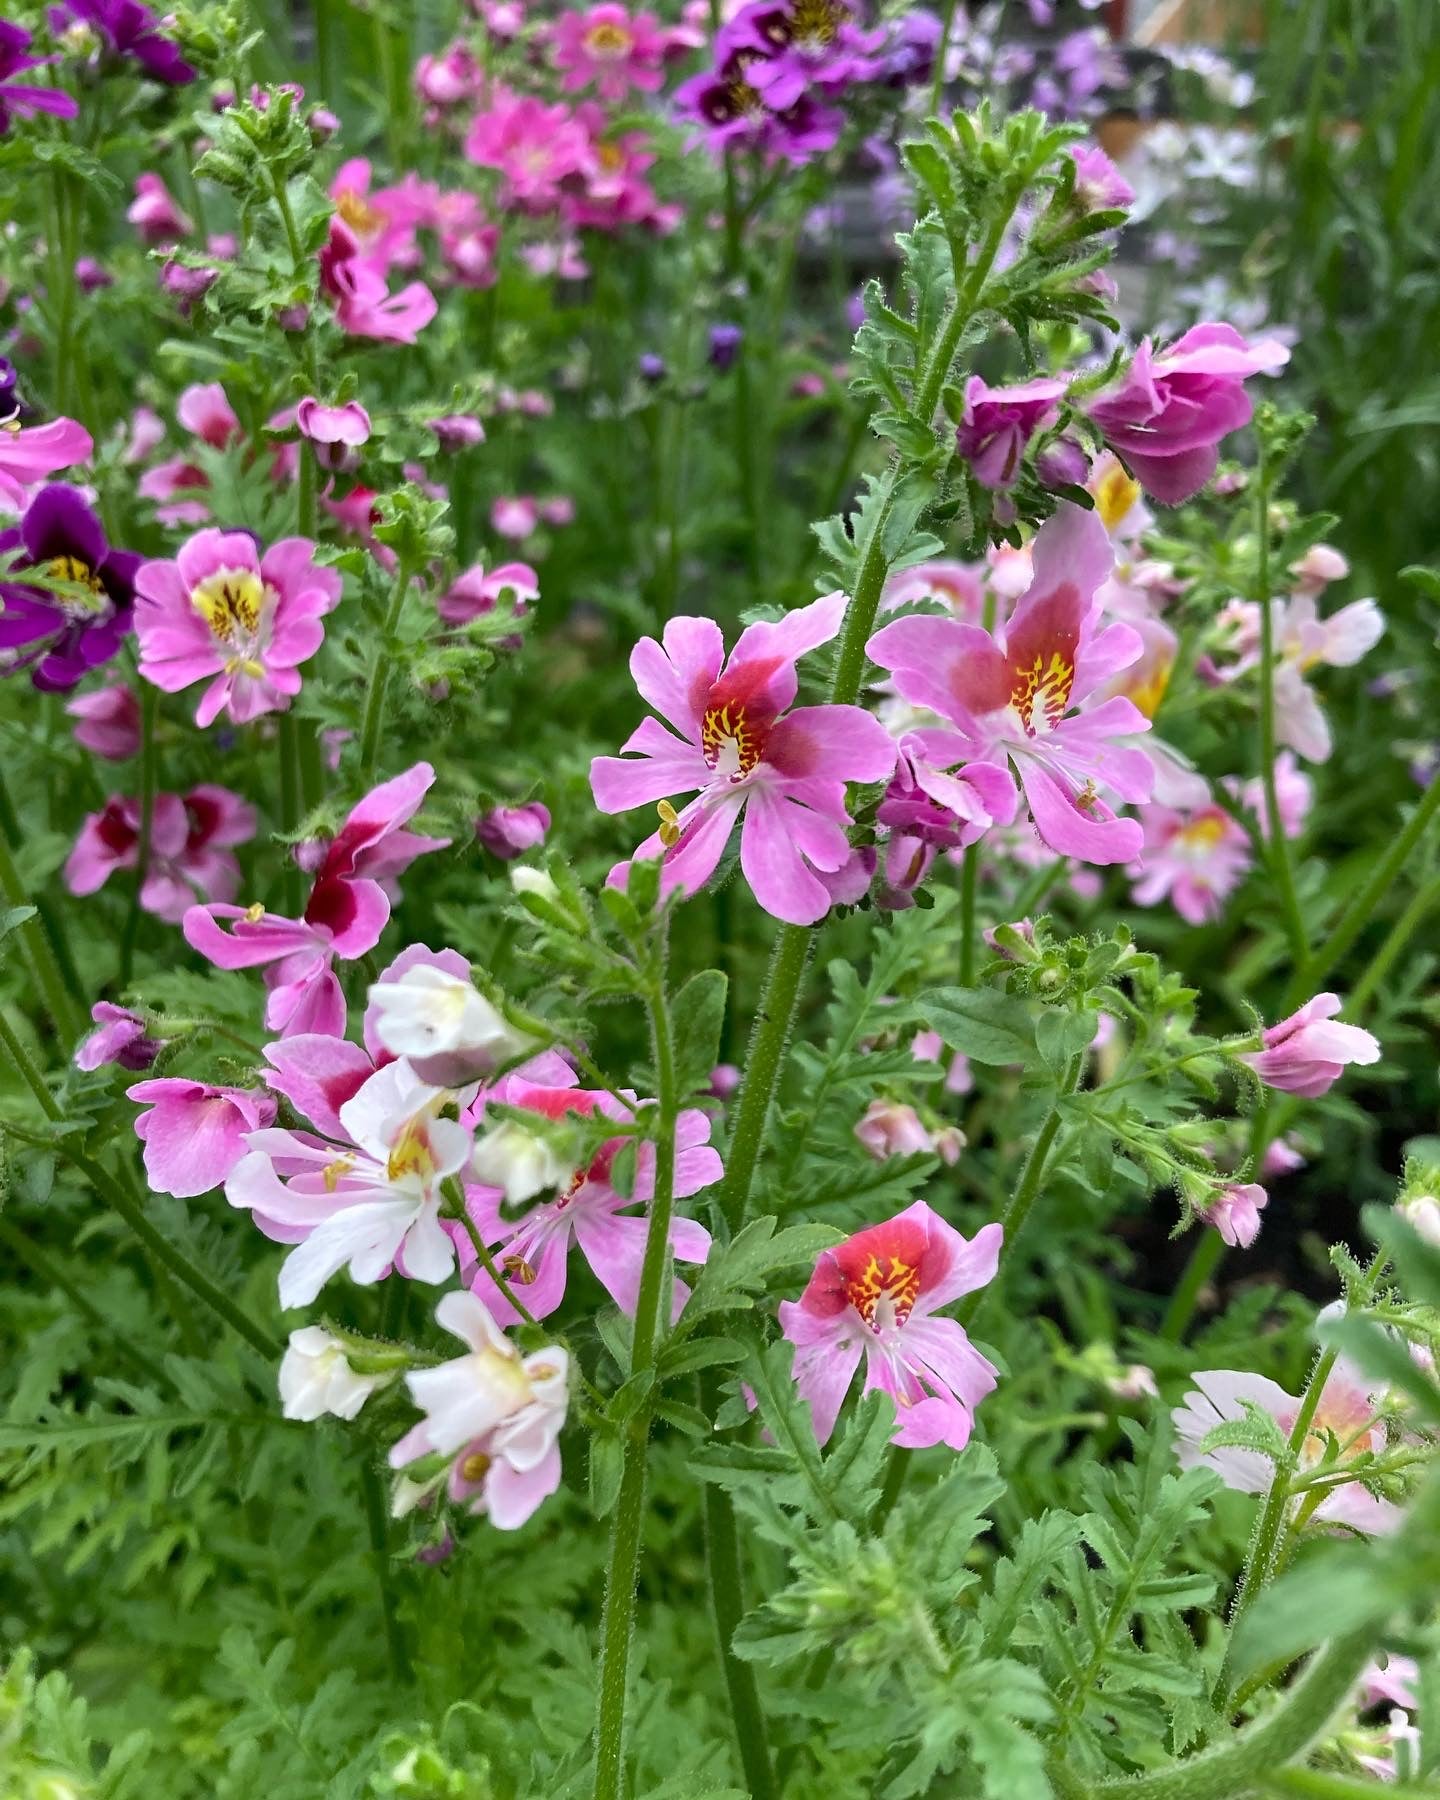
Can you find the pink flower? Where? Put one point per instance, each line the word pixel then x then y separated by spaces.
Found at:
pixel 154 212
pixel 190 841
pixel 1012 694
pixel 455 432
pixel 1318 567
pixel 195 1134
pixel 447 79
pixel 121 1038
pixel 474 593
pixel 1099 185
pixel 1345 1409
pixel 746 753
pixel 534 146
pixel 348 424
pixel 1398 1682
pixel 367 1193
pixel 220 611
pixel 108 722
pixel 1235 1214
pixel 509 831
pixel 356 878
pixel 1294 792
pixel 611 47
pixel 206 411
pixel 1197 858
pixel 559 509
pixel 1307 1053
pixel 998 424
pixel 889 1128
pixel 533 1251
pixel 929 1046
pixel 33 452
pixel 364 305
pixel 874 1295
pixel 1168 412
pixel 960 586
pixel 515 516
pixel 496 1413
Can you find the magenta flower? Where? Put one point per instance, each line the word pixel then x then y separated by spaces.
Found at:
pixel 455 432
pixel 747 753
pixel 729 112
pixel 1168 412
pixel 120 1038
pixel 59 636
pixel 193 1134
pixel 509 831
pixel 448 78
pixel 108 722
pixel 1013 693
pixel 514 515
pixel 1099 185
pixel 356 877
pixel 534 146
pixel 789 47
pixel 1347 1411
pixel 1307 1053
pixel 364 305
pixel 475 593
pixel 533 1251
pixel 18 97
pixel 998 424
pixel 190 855
pixel 606 44
pixel 874 1296
pixel 221 612
pixel 35 451
pixel 1197 858
pixel 1235 1213
pixel 155 213
pixel 132 30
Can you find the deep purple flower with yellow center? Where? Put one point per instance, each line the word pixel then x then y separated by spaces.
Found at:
pixel 874 1296
pixel 60 633
pixel 1025 693
pixel 132 30
pixel 803 45
pixel 747 753
pixel 729 110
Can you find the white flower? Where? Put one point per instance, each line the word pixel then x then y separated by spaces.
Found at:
pixel 1421 1212
pixel 316 1378
pixel 429 1012
pixel 533 881
pixel 519 1163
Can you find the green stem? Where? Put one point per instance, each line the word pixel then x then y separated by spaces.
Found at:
pixel 27 1071
pixel 1322 1784
pixel 1425 900
pixel 969 876
pixel 617 1621
pixel 149 783
pixel 377 1525
pixel 937 85
pixel 67 1016
pixel 727 1604
pixel 380 675
pixel 1279 842
pixel 1204 1260
pixel 287 742
pixel 459 1210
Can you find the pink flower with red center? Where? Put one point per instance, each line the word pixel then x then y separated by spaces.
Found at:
pixel 195 1134
pixel 222 612
pixel 998 423
pixel 611 47
pixel 36 451
pixel 533 1252
pixel 205 410
pixel 1235 1213
pixel 534 146
pixel 347 425
pixel 1195 858
pixel 356 879
pixel 154 212
pixel 733 737
pixel 1346 1410
pixel 1168 412
pixel 1307 1053
pixel 364 305
pixel 875 1296
pixel 107 722
pixel 190 849
pixel 959 586
pixel 1014 693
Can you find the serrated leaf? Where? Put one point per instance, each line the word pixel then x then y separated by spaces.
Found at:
pixel 983 1024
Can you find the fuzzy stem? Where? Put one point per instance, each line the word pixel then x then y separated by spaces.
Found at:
pixel 66 1015
pixel 460 1211
pixel 727 1604
pixel 288 743
pixel 1279 842
pixel 377 1525
pixel 969 877
pixel 937 85
pixel 617 1621
pixel 149 783
pixel 380 675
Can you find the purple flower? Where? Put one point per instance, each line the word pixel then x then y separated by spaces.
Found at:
pixel 725 342
pixel 799 46
pixel 998 424
pixel 1099 185
pixel 62 636
pixel 130 29
pixel 729 110
pixel 18 97
pixel 509 831
pixel 652 367
pixel 121 1038
pixel 908 60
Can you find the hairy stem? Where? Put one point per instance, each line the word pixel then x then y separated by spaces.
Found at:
pixel 1278 841
pixel 377 1525
pixel 67 1016
pixel 380 675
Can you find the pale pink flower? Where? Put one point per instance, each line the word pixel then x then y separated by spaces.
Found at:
pixel 121 1037
pixel 356 879
pixel 455 432
pixel 734 739
pixel 1307 1053
pixel 1235 1213
pixel 1012 694
pixel 559 509
pixel 959 586
pixel 1346 1409
pixel 206 412
pixel 1317 568
pixel 190 848
pixel 929 1046
pixel 450 77
pixel 348 424
pixel 155 213
pixel 366 1196
pixel 316 1380
pixel 533 1251
pixel 1398 1681
pixel 609 46
pixel 514 516
pixel 498 1414
pixel 874 1296
pixel 889 1128
pixel 1294 792
pixel 36 451
pixel 476 592
pixel 195 1134
pixel 108 722
pixel 1196 859
pixel 222 612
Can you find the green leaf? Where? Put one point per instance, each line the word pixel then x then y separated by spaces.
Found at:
pixel 1061 1035
pixel 982 1023
pixel 607 1464
pixel 699 1014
